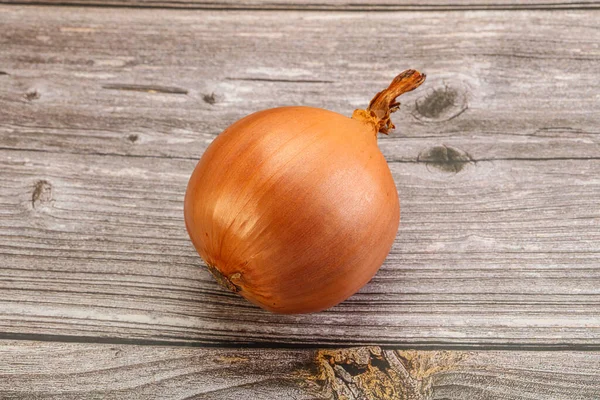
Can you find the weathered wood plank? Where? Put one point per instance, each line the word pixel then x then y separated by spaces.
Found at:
pixel 44 370
pixel 331 5
pixel 75 371
pixel 163 83
pixel 500 253
pixel 104 115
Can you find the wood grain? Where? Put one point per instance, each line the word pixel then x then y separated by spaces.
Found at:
pixel 497 160
pixel 496 89
pixel 44 370
pixel 502 252
pixel 331 5
pixel 38 370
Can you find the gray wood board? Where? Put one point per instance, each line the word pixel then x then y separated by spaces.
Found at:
pixel 166 82
pixel 104 114
pixel 501 252
pixel 331 5
pixel 43 370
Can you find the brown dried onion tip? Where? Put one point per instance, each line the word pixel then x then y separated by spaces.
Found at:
pixel 295 208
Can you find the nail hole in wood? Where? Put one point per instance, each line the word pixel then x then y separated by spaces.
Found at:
pixel 209 98
pixel 32 94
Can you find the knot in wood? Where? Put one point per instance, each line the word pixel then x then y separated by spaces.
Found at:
pixel 441 104
pixel 42 193
pixel 369 373
pixel 445 158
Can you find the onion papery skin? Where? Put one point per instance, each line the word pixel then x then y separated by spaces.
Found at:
pixel 294 208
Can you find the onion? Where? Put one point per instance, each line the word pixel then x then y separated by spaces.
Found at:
pixel 295 208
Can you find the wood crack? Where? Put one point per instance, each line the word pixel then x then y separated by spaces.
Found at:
pixel 322 6
pixel 145 88
pixel 389 160
pixel 279 80
pixel 180 341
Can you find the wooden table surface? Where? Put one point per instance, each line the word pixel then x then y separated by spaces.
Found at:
pixel 491 291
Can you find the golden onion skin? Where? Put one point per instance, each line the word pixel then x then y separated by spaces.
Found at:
pixel 294 208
